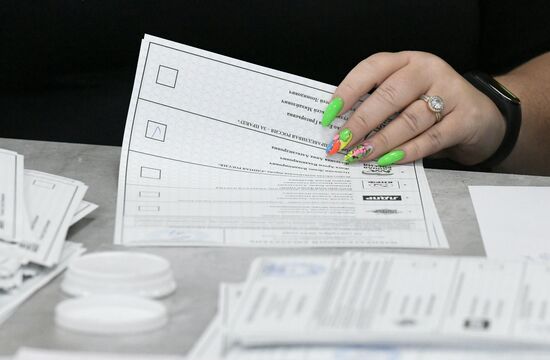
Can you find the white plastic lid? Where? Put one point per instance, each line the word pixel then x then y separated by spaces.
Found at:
pixel 111 314
pixel 118 272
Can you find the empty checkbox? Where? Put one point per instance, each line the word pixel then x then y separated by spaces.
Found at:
pixel 44 184
pixel 149 208
pixel 150 173
pixel 149 194
pixel 167 76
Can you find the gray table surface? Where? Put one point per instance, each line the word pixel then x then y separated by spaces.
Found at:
pixel 198 270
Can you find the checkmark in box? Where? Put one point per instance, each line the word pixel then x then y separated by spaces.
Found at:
pixel 155 131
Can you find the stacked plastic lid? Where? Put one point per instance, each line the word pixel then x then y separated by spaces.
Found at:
pixel 114 293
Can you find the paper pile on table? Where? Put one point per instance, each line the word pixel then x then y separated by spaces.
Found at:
pixel 35 277
pixel 36 211
pixel 361 305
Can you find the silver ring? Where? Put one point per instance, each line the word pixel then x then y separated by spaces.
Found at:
pixel 435 104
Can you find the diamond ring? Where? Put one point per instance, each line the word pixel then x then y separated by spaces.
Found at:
pixel 436 105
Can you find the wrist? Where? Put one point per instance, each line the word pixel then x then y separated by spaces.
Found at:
pixel 508 106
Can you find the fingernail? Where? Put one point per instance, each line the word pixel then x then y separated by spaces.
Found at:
pixel 358 153
pixel 339 142
pixel 332 111
pixel 391 158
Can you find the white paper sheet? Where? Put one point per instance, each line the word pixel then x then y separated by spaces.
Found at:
pixel 51 201
pixel 212 342
pixel 513 220
pixel 11 275
pixel 212 345
pixel 12 203
pixel 11 300
pixel 385 354
pixel 84 209
pixel 46 354
pixel 363 298
pixel 219 152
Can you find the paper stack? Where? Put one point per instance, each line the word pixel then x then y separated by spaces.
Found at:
pixel 379 306
pixel 36 211
pixel 273 184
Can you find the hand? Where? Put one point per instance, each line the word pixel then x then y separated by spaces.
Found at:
pixel 470 130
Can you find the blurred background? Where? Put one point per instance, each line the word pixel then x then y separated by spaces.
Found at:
pixel 67 67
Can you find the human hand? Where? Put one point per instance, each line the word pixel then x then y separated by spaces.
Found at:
pixel 471 126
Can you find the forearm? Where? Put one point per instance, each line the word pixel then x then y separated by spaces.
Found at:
pixel 531 83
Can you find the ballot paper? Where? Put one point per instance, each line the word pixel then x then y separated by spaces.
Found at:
pixel 12 213
pixel 389 354
pixel 363 298
pixel 220 152
pixel 43 354
pixel 9 301
pixel 36 210
pixel 10 265
pixel 513 220
pixel 212 344
pixel 51 202
pixel 84 209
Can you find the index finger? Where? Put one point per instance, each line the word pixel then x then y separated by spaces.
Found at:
pixel 366 75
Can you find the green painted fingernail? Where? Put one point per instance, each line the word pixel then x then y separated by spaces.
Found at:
pixel 345 135
pixel 391 158
pixel 332 111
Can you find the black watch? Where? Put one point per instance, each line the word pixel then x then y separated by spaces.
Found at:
pixel 510 107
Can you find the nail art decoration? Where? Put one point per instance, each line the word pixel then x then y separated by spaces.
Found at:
pixel 332 111
pixel 391 158
pixel 358 153
pixel 345 137
pixel 332 147
pixel 339 142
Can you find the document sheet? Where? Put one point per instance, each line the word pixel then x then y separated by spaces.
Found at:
pixel 84 209
pixel 213 344
pixel 362 298
pixel 220 152
pixel 12 202
pixel 9 301
pixel 513 220
pixel 52 202
pixel 36 211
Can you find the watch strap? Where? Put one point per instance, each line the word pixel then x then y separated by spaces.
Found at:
pixel 508 104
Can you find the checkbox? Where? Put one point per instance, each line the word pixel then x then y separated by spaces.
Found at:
pixel 167 76
pixel 148 208
pixel 155 131
pixel 44 184
pixel 150 173
pixel 149 194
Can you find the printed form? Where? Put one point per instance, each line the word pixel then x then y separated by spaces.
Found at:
pixel 220 152
pixel 12 211
pixel 362 298
pixel 51 202
pixel 213 345
pixel 9 301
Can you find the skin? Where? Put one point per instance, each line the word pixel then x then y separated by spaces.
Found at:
pixel 531 83
pixel 472 127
